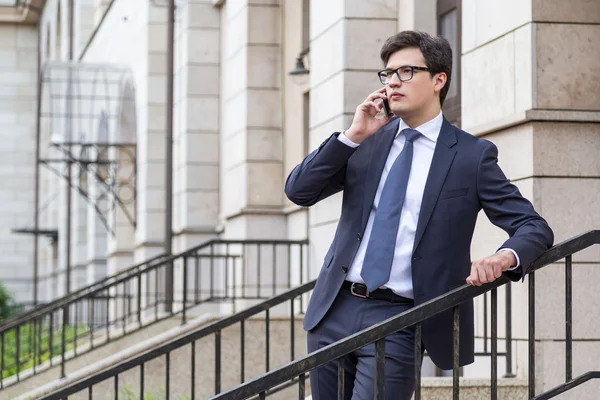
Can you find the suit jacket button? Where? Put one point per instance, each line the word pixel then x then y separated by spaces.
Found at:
pixel 345 269
pixel 358 237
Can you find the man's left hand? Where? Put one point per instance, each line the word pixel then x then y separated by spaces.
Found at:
pixel 490 268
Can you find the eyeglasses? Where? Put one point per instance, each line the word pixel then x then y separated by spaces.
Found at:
pixel 403 73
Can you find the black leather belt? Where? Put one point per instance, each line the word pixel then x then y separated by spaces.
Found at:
pixel 360 290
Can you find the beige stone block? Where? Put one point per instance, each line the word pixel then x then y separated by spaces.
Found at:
pixel 550 301
pixel 264 145
pixel 234 149
pixel 255 226
pixel 17 78
pixel 371 9
pixel 204 49
pixel 566 149
pixel 523 54
pixel 27 60
pixel 264 25
pixel 327 100
pixel 235 78
pixel 297 225
pixel 485 21
pixel 8 59
pixel 485 99
pixel 200 177
pixel 201 147
pixel 576 11
pixel 203 15
pixel 157 14
pixel 150 227
pixel 565 76
pixel 203 113
pixel 324 14
pixel 264 108
pixel 237 33
pixel 234 190
pixel 203 80
pixel 27 37
pixel 364 39
pixel 156 174
pixel 157 89
pixel 321 237
pixel 516 151
pixel 265 184
pixel 157 38
pixel 550 368
pixel 321 132
pixel 326 211
pixel 357 86
pixel 264 67
pixel 570 206
pixel 157 63
pixel 8 36
pixel 327 54
pixel 156 118
pixel 200 209
pixel 234 114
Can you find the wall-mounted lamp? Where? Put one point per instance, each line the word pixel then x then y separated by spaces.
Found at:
pixel 300 73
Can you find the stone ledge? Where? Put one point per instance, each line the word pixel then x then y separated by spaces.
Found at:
pixel 533 116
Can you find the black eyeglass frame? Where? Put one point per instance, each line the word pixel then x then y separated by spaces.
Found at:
pixel 382 74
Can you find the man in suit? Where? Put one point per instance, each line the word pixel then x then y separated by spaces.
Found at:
pixel 413 185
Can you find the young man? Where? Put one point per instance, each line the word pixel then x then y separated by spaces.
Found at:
pixel 413 187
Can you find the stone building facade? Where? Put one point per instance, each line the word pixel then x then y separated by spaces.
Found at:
pixel 526 78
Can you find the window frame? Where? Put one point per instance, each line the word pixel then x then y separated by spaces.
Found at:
pixel 452 106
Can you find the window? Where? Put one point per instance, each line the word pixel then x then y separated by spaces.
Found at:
pixel 449 25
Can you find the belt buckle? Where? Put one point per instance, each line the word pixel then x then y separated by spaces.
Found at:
pixel 364 296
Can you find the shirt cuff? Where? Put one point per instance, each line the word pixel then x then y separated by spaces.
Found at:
pixel 516 256
pixel 342 138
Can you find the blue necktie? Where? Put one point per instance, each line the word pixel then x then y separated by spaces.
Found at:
pixel 382 243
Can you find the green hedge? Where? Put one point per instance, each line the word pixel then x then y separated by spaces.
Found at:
pixel 30 349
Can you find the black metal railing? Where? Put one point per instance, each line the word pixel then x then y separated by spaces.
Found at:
pixel 296 371
pixel 218 271
pixel 288 305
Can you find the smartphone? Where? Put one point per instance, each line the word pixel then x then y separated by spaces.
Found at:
pixel 386 108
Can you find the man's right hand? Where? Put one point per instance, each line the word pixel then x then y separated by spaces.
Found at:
pixel 364 123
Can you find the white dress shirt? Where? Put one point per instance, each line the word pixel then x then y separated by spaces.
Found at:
pixel 423 147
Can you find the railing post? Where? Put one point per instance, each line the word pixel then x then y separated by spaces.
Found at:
pixel 63 342
pixel 185 288
pixel 340 378
pixel 508 309
pixel 418 361
pixel 456 355
pixel 379 369
pixel 568 318
pixel 494 359
pixel 531 339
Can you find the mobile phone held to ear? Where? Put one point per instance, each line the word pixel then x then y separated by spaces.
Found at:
pixel 386 108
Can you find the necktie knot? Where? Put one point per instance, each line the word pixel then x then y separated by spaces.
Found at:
pixel 411 134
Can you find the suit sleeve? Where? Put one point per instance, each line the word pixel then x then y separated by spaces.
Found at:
pixel 529 234
pixel 321 174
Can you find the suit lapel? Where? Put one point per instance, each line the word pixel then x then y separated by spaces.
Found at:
pixel 377 159
pixel 443 156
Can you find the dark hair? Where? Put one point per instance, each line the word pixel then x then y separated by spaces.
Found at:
pixel 437 53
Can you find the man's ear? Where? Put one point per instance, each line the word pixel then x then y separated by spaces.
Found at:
pixel 440 81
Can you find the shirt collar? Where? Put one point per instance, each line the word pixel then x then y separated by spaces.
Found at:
pixel 430 129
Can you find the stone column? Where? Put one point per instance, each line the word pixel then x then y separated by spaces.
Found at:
pixel 346 37
pixel 18 50
pixel 196 137
pixel 531 85
pixel 251 137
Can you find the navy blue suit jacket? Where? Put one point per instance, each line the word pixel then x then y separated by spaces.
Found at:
pixel 463 179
